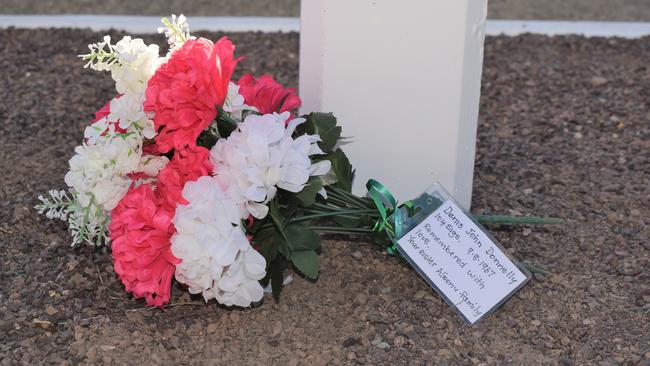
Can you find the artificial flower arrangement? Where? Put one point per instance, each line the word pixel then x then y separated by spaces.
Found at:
pixel 189 175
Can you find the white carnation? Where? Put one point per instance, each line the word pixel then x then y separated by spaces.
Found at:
pixel 261 156
pixel 217 259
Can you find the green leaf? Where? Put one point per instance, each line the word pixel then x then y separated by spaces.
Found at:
pixel 342 168
pixel 307 196
pixel 306 262
pixel 276 271
pixel 323 124
pixel 270 241
pixel 278 221
pixel 301 238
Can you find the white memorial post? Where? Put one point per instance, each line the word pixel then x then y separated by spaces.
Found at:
pixel 403 77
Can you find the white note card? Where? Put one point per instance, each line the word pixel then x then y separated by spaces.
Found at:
pixel 461 261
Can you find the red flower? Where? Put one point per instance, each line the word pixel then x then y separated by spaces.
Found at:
pixel 185 92
pixel 140 231
pixel 267 95
pixel 187 165
pixel 141 227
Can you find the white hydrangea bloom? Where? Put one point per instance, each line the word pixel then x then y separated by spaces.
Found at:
pixel 234 104
pixel 137 62
pixel 152 164
pixel 216 258
pixel 261 156
pixel 98 128
pixel 100 171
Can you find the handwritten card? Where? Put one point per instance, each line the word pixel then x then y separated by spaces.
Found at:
pixel 461 262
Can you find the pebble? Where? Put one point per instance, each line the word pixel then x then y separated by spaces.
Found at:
pixel 212 327
pixel 577 135
pixel 535 323
pixel 400 341
pixel 357 255
pixel 598 81
pixel 361 299
pixel 350 341
pixel 50 310
pixel 383 345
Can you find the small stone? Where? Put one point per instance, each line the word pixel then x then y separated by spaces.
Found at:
pixel 629 269
pixel 383 345
pixel 444 353
pixel 376 341
pixel 598 81
pixel 586 322
pixel 44 324
pixel 528 191
pixel 565 361
pixel 490 178
pixel 212 327
pixel 361 299
pixel 565 340
pixel 50 310
pixel 376 318
pixel 357 255
pixel 419 295
pixel 587 351
pixel 350 341
pixel 399 341
pixel 577 136
pixel 535 323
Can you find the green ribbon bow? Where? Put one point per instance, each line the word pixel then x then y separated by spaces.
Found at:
pixel 382 197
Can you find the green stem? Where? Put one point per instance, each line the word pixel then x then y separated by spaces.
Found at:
pixel 338 201
pixel 341 213
pixel 339 230
pixel 518 220
pixel 353 198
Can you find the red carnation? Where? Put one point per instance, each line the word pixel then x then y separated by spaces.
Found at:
pixel 140 231
pixel 187 165
pixel 267 95
pixel 141 227
pixel 185 92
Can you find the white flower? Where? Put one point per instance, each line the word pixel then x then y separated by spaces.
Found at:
pixel 100 170
pixel 261 156
pixel 234 103
pixel 137 62
pixel 216 257
pixel 152 164
pixel 177 31
pixel 95 131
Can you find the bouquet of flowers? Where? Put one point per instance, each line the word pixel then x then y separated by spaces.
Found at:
pixel 188 174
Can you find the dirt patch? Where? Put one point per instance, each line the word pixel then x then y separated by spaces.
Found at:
pixel 564 131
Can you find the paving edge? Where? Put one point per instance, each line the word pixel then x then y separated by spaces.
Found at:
pixel 149 24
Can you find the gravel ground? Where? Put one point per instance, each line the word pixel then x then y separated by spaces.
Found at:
pixel 564 131
pixel 623 10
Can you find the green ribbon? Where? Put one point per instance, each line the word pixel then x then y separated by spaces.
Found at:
pixel 382 197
